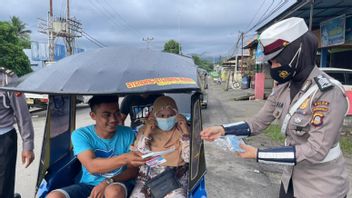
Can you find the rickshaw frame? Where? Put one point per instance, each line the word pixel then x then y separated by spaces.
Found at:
pixel 57 160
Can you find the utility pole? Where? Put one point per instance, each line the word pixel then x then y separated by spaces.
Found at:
pixel 242 35
pixel 68 28
pixel 51 41
pixel 148 40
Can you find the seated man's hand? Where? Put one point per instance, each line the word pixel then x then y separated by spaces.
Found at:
pixel 212 133
pixel 135 159
pixel 98 191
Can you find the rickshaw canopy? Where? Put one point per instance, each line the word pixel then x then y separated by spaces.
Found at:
pixel 113 71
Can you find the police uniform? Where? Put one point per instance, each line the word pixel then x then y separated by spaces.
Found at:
pixel 13 108
pixel 311 121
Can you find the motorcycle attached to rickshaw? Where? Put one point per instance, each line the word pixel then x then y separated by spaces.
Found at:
pixel 120 71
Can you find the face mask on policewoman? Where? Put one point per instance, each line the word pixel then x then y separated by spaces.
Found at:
pixel 166 124
pixel 285 73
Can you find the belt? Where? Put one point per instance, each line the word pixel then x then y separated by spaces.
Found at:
pixel 333 153
pixel 5 130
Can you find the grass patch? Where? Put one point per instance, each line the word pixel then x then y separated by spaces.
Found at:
pixel 346 144
pixel 273 131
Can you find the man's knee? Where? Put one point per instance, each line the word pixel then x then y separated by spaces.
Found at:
pixel 115 190
pixel 55 194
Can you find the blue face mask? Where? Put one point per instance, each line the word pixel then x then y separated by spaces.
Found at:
pixel 166 124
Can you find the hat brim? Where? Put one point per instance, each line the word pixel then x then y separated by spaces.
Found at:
pixel 272 55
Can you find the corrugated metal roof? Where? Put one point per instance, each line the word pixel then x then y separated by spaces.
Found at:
pixel 323 10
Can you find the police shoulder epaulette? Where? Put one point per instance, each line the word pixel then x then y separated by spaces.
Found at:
pixel 9 72
pixel 323 83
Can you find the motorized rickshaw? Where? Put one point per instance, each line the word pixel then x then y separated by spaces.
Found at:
pixel 118 71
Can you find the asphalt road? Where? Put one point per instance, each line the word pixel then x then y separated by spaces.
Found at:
pixel 229 176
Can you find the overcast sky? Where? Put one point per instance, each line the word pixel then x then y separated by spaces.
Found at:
pixel 204 27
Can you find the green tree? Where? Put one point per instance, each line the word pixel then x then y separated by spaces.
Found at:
pixel 11 50
pixel 22 33
pixel 172 46
pixel 204 64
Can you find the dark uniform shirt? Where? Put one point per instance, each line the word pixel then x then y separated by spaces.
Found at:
pixel 137 107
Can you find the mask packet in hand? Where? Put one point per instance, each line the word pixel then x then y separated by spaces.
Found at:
pixel 230 142
pixel 233 143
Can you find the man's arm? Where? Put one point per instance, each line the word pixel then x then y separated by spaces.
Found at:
pixel 130 173
pixel 102 165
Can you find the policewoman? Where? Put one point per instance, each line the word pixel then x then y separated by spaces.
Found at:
pixel 310 107
pixel 13 109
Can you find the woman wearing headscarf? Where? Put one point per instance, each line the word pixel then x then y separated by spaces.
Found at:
pixel 164 130
pixel 310 107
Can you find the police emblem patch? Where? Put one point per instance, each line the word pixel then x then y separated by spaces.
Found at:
pixel 317 119
pixel 283 74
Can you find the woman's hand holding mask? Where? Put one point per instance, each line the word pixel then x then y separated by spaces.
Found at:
pixel 182 124
pixel 150 125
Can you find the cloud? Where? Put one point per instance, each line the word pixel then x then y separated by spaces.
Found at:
pixel 201 26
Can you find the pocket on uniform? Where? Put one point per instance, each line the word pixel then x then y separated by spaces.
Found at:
pixel 277 112
pixel 300 124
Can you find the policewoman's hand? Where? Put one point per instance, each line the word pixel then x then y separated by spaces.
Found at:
pixel 249 152
pixel 212 133
pixel 27 158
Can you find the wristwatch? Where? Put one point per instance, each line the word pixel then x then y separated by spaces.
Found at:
pixel 109 180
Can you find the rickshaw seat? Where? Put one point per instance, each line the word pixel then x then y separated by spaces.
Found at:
pixel 67 173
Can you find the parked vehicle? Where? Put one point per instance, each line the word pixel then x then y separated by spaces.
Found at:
pixel 36 100
pixel 203 82
pixel 118 71
pixel 345 77
pixel 41 100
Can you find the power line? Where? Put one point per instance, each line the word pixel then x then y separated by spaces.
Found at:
pixel 122 19
pixel 111 15
pixel 277 8
pixel 92 39
pixel 267 14
pixel 255 15
pixel 103 11
pixel 272 2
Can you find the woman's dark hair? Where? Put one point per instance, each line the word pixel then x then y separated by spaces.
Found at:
pixel 100 99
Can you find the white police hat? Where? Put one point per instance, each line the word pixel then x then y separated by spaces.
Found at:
pixel 276 37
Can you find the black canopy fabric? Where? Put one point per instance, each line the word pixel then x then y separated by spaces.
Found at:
pixel 113 70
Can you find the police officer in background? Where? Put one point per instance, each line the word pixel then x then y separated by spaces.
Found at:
pixel 310 107
pixel 13 108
